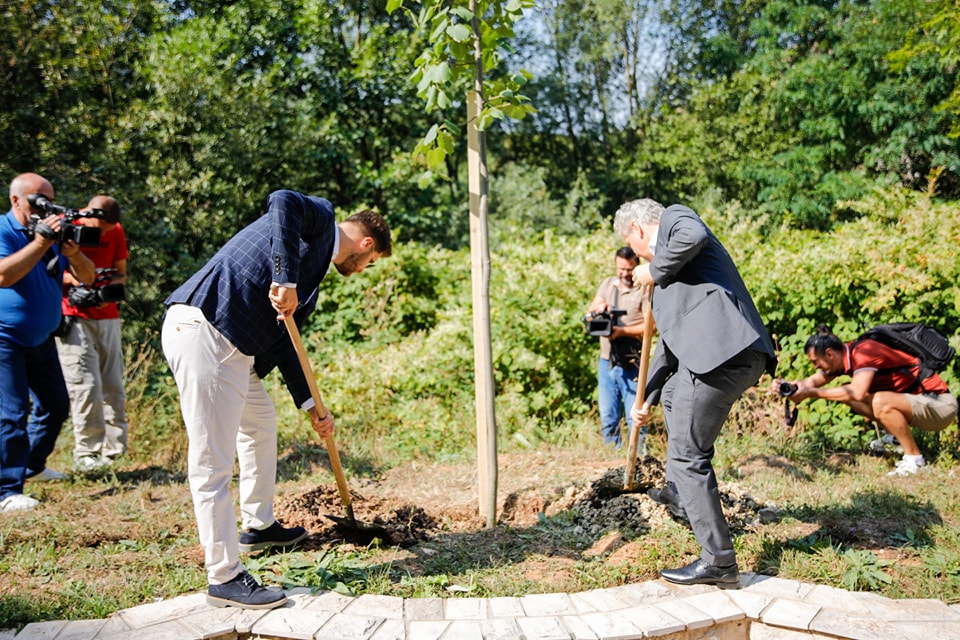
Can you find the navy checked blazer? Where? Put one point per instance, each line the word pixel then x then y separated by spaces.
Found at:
pixel 291 243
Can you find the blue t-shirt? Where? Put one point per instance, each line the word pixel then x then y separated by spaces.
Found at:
pixel 30 309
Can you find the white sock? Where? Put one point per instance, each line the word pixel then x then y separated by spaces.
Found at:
pixel 917 459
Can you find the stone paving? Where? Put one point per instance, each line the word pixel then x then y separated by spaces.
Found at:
pixel 765 608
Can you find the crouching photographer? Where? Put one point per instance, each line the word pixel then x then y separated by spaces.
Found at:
pixel 887 385
pixel 614 315
pixel 89 344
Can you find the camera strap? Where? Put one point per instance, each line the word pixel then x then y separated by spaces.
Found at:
pixel 53 263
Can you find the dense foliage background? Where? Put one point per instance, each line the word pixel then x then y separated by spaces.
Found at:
pixel 817 137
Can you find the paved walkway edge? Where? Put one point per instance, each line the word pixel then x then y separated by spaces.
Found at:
pixel 764 608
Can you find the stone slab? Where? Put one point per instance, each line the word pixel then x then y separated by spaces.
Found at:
pixel 149 614
pixel 42 630
pixel 547 604
pixel 426 629
pixel 760 631
pixel 687 614
pixel 792 614
pixel 653 620
pixel 578 629
pixel 464 608
pixel 776 587
pixel 345 626
pixel 852 625
pixel 500 629
pixel 600 600
pixel 835 598
pixel 329 601
pixel 610 626
pixel 212 622
pixel 752 604
pixel 504 607
pixel 463 630
pixel 648 592
pixel 717 605
pixel 543 628
pixel 377 606
pixel 423 609
pixel 390 630
pixel 291 624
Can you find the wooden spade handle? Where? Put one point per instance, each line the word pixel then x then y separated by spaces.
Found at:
pixel 646 304
pixel 322 411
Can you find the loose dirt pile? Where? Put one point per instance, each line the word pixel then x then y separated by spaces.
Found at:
pixel 595 509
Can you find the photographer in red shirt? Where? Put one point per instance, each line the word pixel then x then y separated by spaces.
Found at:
pixel 89 345
pixel 885 387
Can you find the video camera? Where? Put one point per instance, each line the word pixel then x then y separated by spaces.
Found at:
pixel 601 323
pixel 102 290
pixel 83 236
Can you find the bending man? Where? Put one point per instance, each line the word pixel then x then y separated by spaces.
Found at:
pixel 221 335
pixel 712 347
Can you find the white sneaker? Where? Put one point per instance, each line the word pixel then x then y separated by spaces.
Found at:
pixel 908 466
pixel 87 464
pixel 18 502
pixel 47 475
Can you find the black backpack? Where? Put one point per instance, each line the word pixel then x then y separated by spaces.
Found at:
pixel 917 339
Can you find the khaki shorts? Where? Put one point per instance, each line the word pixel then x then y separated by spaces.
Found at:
pixel 933 412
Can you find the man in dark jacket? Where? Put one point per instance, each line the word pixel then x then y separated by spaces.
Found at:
pixel 221 334
pixel 712 347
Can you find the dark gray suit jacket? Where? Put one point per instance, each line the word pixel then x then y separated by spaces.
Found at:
pixel 704 314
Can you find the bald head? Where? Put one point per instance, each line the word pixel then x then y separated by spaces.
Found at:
pixel 24 185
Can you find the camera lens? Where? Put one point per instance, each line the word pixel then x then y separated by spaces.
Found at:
pixel 787 389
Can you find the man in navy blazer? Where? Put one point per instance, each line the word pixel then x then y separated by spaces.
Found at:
pixel 713 346
pixel 222 333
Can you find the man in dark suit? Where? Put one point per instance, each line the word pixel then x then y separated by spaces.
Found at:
pixel 221 334
pixel 712 347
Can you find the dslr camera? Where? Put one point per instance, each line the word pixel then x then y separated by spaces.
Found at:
pixel 102 290
pixel 83 236
pixel 601 323
pixel 787 389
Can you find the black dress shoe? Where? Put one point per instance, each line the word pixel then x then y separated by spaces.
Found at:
pixel 699 572
pixel 667 495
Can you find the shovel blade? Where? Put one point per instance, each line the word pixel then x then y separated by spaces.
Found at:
pixel 357 531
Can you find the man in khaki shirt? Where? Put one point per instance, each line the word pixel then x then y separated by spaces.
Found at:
pixel 619 364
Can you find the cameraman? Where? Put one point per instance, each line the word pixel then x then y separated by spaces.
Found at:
pixel 619 352
pixel 91 353
pixel 31 274
pixel 883 387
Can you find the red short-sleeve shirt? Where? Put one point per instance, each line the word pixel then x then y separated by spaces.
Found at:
pixel 893 370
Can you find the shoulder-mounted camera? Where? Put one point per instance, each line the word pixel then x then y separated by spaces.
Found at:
pixel 83 236
pixel 601 323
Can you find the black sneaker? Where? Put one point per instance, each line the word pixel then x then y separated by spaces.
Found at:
pixel 245 592
pixel 273 536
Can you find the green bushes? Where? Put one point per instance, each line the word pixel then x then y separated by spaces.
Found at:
pixel 393 347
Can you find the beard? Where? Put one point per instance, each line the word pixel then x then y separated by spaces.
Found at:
pixel 353 263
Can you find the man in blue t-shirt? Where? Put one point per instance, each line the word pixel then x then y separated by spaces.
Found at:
pixel 32 263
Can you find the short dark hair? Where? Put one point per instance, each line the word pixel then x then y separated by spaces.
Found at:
pixel 109 206
pixel 377 228
pixel 627 254
pixel 822 340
